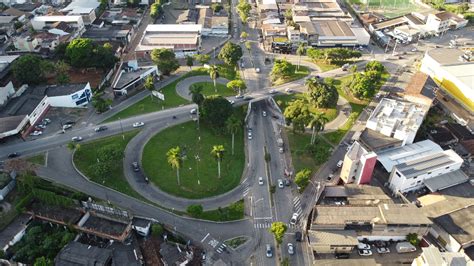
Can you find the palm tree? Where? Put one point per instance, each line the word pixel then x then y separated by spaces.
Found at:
pixel 196 95
pixel 214 74
pixel 233 125
pixel 300 51
pixel 317 122
pixel 175 159
pixel 218 152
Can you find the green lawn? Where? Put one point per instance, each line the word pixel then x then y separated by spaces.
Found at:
pixel 297 74
pixel 325 66
pixel 205 170
pixel 208 89
pixel 227 72
pixel 225 214
pixel 37 159
pixel 86 157
pixel 284 100
pixel 304 158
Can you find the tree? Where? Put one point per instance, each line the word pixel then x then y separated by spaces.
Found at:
pixel 353 69
pixel 375 66
pixel 195 210
pixel 62 69
pixel 302 178
pixel 27 69
pixel 216 7
pixel 361 86
pixel 243 8
pixel 104 56
pixel 300 51
pixel 233 125
pixel 462 8
pixel 202 58
pixel 282 69
pixel 214 75
pixel 79 52
pixel 149 83
pixel 278 230
pixel 157 230
pixel 315 53
pixel 230 53
pixel 248 45
pixel 218 152
pixel 99 103
pixel 238 85
pixel 156 10
pixel 165 59
pixel 413 239
pixel 189 61
pixel 42 261
pixel 215 110
pixel 243 35
pixel 321 94
pixel 317 122
pixel 175 160
pixel 196 94
pixel 297 110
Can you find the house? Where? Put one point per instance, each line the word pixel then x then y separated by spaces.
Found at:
pixel 7 24
pixel 332 241
pixel 339 33
pixel 5 64
pixel 294 35
pixel 121 16
pixel 113 33
pixel 188 16
pixel 48 22
pixel 183 39
pixel 85 8
pixel 397 119
pixel 456 229
pixel 358 164
pixel 36 42
pixel 142 226
pixel 131 76
pixel 20 15
pixel 212 24
pixel 76 253
pixel 443 21
pixel 432 256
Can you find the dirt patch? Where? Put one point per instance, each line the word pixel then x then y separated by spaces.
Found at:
pixel 150 248
pixel 93 76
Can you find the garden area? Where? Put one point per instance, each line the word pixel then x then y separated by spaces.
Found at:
pixel 307 155
pixel 284 100
pixel 234 211
pixel 332 58
pixel 39 159
pixel 208 89
pixel 284 72
pixel 198 170
pixel 101 161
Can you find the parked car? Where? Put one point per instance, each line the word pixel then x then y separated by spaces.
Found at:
pixel 193 111
pixel 330 177
pixel 363 246
pixel 264 113
pixel 67 126
pixel 135 167
pixel 339 164
pixel 257 70
pixel 345 67
pixel 287 182
pixel 383 250
pixel 250 135
pixel 364 252
pixel 269 252
pixel 288 90
pixel 70 123
pixel 273 91
pixel 13 155
pixel 138 124
pixel 342 255
pixel 294 218
pixel 36 133
pixel 405 247
pixel 291 249
pixel 76 139
pixel 280 183
pixel 41 126
pixel 298 236
pixel 260 180
pixel 239 96
pixel 101 128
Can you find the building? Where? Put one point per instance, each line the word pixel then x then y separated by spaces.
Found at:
pixel 453 71
pixel 397 119
pixel 48 22
pixel 76 253
pixel 131 76
pixel 443 21
pixel 7 183
pixel 142 226
pixel 7 24
pixel 355 195
pixel 183 39
pixel 22 113
pixel 339 228
pixel 358 165
pixel 117 33
pixel 328 33
pixel 431 256
pixel 84 8
pixel 213 25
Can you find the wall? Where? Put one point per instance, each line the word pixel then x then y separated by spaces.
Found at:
pixel 6 92
pixel 4 191
pixel 72 100
pixel 368 162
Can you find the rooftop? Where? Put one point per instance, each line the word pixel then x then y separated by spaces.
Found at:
pixel 334 28
pixel 7 19
pixel 376 141
pixel 76 253
pixel 459 224
pixel 428 163
pixel 339 237
pixel 57 18
pixel 111 32
pixel 82 6
pixel 446 56
pixel 446 180
pixel 127 77
pixel 173 28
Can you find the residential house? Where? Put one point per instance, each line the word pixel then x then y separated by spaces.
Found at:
pixel 112 33
pixel 85 8
pixel 7 24
pixel 212 24
pixel 48 22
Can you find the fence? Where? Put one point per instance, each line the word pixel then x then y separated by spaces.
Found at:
pixel 105 209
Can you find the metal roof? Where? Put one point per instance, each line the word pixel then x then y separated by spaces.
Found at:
pixel 444 181
pixel 428 163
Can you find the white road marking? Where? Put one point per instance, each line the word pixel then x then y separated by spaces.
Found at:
pixel 205 237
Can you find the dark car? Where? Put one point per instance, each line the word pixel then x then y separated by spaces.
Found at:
pixel 298 236
pixel 70 123
pixel 342 255
pixel 135 167
pixel 101 128
pixel 13 155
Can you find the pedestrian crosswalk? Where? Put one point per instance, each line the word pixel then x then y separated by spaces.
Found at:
pixel 297 205
pixel 269 224
pixel 246 189
pixel 221 248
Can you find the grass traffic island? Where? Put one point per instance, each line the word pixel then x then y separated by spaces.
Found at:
pixel 91 159
pixel 284 100
pixel 198 173
pixel 233 212
pixel 308 156
pixel 39 159
pixel 208 89
pixel 296 74
pixel 236 242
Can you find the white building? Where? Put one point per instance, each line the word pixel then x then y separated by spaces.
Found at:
pixel 131 76
pixel 397 119
pixel 46 22
pixel 85 8
pixel 431 256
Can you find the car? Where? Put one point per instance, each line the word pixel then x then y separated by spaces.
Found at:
pixel 13 155
pixel 193 111
pixel 280 183
pixel 342 255
pixel 364 252
pixel 70 123
pixel 298 236
pixel 138 124
pixel 67 126
pixel 76 139
pixel 36 133
pixel 273 91
pixel 248 98
pixel 339 164
pixel 232 101
pixel 294 218
pixel 268 252
pixel 414 50
pixel 378 95
pixel 264 113
pixel 288 90
pixel 46 121
pixel 383 250
pixel 281 150
pixel 257 70
pixel 41 126
pixel 250 135
pixel 363 246
pixel 260 180
pixel 101 128
pixel 135 167
pixel 291 249
pixel 329 178
pixel 345 67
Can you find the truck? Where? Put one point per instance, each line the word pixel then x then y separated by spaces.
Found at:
pixel 280 145
pixel 405 247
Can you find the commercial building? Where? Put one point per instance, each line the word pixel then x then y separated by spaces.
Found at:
pixel 131 76
pixel 183 39
pixel 358 164
pixel 432 256
pixel 456 228
pixel 212 24
pixel 84 8
pixel 453 71
pixel 397 119
pixel 355 195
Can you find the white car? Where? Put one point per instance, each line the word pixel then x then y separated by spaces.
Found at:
pixel 383 250
pixel 273 91
pixel 291 249
pixel 138 124
pixel 365 252
pixel 363 246
pixel 280 183
pixel 76 139
pixel 250 135
pixel 294 218
pixel 193 111
pixel 260 180
pixel 239 96
pixel 339 164
pixel 36 133
pixel 67 126
pixel 288 90
pixel 257 70
pixel 264 113
pixel 378 95
pixel 232 101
